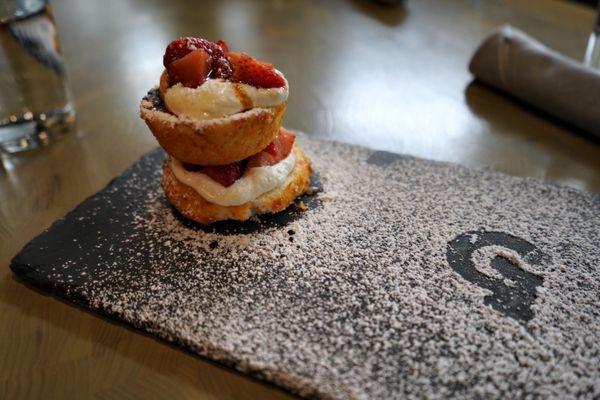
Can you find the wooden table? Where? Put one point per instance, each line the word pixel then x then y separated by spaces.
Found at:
pixel 393 79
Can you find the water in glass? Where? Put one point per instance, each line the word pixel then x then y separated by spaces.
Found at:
pixel 35 105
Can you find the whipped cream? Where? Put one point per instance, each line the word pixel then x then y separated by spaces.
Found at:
pixel 255 182
pixel 217 98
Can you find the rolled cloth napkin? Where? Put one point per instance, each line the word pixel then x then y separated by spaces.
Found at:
pixel 520 65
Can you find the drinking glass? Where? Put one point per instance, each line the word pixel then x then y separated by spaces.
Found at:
pixel 592 53
pixel 35 102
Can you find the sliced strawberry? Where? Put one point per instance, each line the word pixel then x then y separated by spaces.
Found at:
pixel 183 46
pixel 226 175
pixel 276 151
pixel 219 66
pixel 191 70
pixel 253 72
pixel 180 48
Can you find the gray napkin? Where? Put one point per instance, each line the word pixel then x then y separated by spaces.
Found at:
pixel 518 64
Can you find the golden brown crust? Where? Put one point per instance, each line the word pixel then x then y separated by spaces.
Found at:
pixel 190 204
pixel 216 141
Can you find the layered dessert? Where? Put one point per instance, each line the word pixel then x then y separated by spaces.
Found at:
pixel 218 114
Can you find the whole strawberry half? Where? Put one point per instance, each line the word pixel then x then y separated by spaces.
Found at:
pixel 253 72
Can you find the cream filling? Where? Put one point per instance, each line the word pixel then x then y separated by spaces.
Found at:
pixel 217 98
pixel 255 182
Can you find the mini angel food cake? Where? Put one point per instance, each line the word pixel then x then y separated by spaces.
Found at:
pixel 218 114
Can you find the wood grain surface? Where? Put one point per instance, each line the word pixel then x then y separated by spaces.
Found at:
pixel 387 78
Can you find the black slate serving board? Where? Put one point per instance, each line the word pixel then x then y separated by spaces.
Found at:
pixel 402 278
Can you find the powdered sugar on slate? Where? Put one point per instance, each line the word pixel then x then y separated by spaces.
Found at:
pixel 354 297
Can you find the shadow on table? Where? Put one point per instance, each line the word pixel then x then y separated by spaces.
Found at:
pixel 37 308
pixel 483 101
pixel 388 12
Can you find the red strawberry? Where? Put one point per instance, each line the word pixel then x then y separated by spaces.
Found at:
pixel 226 175
pixel 276 151
pixel 253 72
pixel 223 45
pixel 180 48
pixel 191 70
pixel 219 67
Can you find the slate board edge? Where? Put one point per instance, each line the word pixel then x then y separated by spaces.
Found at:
pixel 14 263
pixel 216 356
pixel 484 169
pixel 303 388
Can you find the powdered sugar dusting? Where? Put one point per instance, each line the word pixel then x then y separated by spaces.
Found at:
pixel 483 257
pixel 354 298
